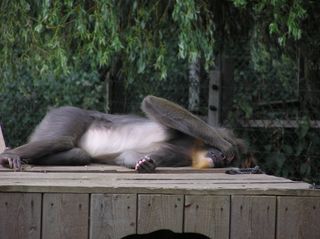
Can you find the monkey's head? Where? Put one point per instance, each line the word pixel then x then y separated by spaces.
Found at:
pixel 204 156
pixel 218 158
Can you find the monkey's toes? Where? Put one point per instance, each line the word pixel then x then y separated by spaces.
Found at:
pixel 11 161
pixel 145 165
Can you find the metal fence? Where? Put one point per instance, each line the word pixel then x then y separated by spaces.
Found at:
pixel 263 95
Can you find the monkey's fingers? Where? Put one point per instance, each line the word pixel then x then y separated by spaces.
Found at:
pixel 145 165
pixel 11 161
pixel 17 164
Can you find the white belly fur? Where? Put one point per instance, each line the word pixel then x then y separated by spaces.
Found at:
pixel 101 142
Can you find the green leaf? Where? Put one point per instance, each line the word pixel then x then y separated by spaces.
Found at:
pixel 38 28
pixel 273 28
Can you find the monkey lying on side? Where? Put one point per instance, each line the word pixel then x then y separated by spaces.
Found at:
pixel 170 136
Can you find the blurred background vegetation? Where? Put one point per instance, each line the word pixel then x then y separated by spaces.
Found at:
pixel 108 54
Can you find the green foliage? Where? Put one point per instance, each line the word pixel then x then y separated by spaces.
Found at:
pixel 56 52
pixel 292 154
pixel 24 101
pixel 59 52
pixel 60 36
pixel 282 17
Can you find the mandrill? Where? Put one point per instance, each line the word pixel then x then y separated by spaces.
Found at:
pixel 170 136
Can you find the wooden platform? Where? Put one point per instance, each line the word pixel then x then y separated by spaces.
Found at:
pixel 100 201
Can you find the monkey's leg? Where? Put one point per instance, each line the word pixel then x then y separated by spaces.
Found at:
pixel 166 156
pixel 12 158
pixel 72 157
pixel 174 116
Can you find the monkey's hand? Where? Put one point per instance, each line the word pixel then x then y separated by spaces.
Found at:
pixel 11 160
pixel 146 165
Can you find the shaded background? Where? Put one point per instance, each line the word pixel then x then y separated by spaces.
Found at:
pixel 108 55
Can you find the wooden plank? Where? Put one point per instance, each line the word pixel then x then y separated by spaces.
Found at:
pixel 211 184
pixel 207 215
pixel 104 168
pixel 253 217
pixel 157 212
pixel 298 217
pixel 205 177
pixel 20 215
pixel 65 216
pixel 2 142
pixel 113 215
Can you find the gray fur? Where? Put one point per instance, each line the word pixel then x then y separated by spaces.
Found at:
pixel 57 140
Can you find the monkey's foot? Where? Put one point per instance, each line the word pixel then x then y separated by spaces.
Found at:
pixel 11 161
pixel 145 165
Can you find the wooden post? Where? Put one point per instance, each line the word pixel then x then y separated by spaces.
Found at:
pixel 2 142
pixel 227 88
pixel 214 98
pixel 220 92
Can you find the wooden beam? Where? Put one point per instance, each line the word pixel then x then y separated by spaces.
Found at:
pixel 276 123
pixel 214 109
pixel 200 184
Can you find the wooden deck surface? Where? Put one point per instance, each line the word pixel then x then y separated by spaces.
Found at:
pixel 100 201
pixel 115 179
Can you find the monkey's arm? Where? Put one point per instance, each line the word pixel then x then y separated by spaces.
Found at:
pixel 174 116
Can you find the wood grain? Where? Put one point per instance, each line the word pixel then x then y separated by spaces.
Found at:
pixel 2 142
pixel 157 212
pixel 20 215
pixel 253 217
pixel 65 216
pixel 104 168
pixel 113 215
pixel 115 183
pixel 298 217
pixel 207 215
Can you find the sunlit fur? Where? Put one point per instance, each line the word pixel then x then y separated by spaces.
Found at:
pixel 101 143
